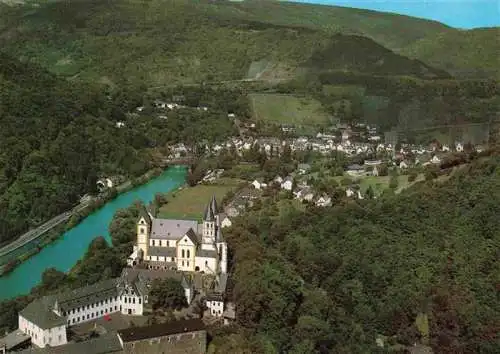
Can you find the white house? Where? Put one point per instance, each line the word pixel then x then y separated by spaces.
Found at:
pixel 375 171
pixel 259 184
pixel 403 165
pixel 349 192
pixel 45 328
pixel 278 180
pixel 225 221
pixel 459 147
pixel 304 168
pixel 304 193
pixel 435 159
pixel 287 183
pixel 324 201
pixel 46 320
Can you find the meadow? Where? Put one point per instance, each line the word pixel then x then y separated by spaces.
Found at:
pixel 288 109
pixel 190 202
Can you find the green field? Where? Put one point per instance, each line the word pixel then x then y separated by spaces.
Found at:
pixel 190 203
pixel 288 109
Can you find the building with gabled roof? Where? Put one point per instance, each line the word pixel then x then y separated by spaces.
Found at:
pixel 184 245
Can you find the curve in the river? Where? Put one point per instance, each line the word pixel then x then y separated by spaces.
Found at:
pixel 72 245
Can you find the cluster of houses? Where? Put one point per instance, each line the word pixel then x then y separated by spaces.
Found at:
pixel 301 190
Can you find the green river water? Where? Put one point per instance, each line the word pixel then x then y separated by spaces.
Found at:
pixel 72 245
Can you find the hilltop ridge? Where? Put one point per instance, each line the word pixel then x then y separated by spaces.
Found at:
pixel 191 41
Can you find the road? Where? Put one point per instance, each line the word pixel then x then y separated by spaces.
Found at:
pixel 39 231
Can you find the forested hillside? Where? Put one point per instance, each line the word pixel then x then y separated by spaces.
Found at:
pixel 57 137
pixel 420 267
pixel 163 42
pixel 467 54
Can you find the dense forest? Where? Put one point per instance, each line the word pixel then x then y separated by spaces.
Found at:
pixel 58 137
pixel 420 267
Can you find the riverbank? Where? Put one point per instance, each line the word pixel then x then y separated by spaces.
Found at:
pixel 36 245
pixel 65 252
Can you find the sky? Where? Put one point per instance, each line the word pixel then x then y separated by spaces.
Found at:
pixel 456 13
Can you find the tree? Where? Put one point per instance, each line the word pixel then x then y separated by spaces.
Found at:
pixel 393 183
pixel 370 194
pixel 383 170
pixel 286 156
pixel 412 176
pixel 168 293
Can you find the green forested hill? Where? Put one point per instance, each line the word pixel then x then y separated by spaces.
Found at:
pixel 421 267
pixel 159 42
pixel 458 50
pixel 57 137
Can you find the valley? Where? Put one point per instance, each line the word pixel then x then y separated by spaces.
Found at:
pixel 338 194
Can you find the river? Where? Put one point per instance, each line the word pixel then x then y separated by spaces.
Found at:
pixel 72 245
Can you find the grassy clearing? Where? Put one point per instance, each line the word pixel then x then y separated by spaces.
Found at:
pixel 381 183
pixel 288 109
pixel 190 203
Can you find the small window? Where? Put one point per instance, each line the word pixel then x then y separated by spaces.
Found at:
pixel 183 254
pixel 188 254
pixel 152 242
pixel 142 230
pixel 140 300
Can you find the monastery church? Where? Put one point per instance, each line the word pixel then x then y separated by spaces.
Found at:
pixel 183 245
pixel 168 248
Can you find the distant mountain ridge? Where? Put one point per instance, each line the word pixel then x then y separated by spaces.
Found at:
pixel 192 41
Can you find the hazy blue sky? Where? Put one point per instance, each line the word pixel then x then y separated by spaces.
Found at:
pixel 456 13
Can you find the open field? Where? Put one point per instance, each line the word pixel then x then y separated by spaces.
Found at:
pixel 190 203
pixel 288 109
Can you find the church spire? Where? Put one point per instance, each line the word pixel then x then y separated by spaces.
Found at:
pixel 209 214
pixel 213 205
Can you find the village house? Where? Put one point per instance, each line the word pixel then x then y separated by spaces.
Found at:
pixel 304 193
pixel 287 183
pixel 47 319
pixel 180 336
pixel 186 336
pixel 435 160
pixel 323 201
pixel 303 168
pixel 259 184
pixel 278 180
pixel 225 221
pixel 355 170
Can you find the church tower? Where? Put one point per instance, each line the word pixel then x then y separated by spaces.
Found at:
pixel 209 229
pixel 222 253
pixel 143 228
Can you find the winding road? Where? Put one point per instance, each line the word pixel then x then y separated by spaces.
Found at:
pixel 33 234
